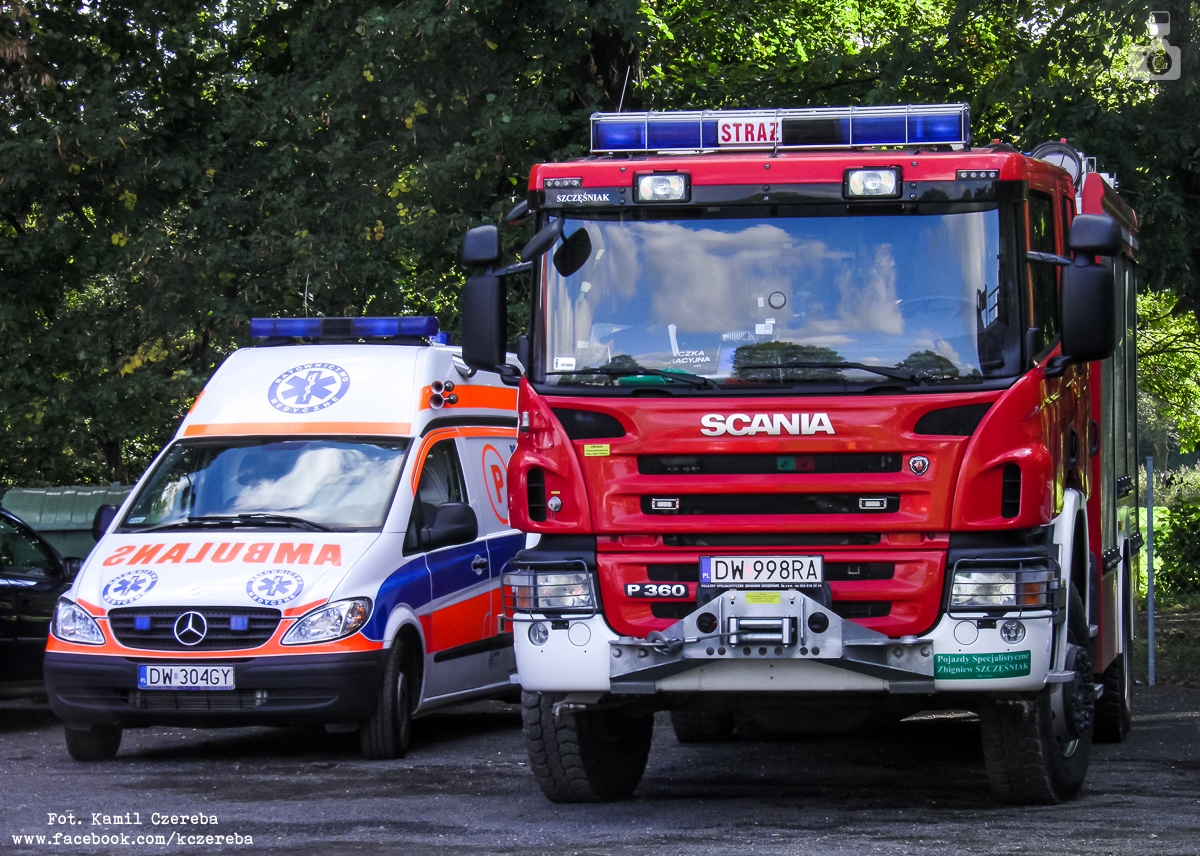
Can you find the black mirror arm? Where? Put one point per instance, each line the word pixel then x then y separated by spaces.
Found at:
pixel 1056 366
pixel 519 267
pixel 1047 258
pixel 520 213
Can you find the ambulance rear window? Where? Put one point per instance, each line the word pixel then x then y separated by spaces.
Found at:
pixel 318 483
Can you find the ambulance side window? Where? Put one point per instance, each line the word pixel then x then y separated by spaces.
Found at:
pixel 441 482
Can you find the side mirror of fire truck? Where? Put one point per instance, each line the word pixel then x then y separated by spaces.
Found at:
pixel 1088 295
pixel 484 323
pixel 481 246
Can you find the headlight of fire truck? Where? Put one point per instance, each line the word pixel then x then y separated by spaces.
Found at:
pixel 551 590
pixel 989 586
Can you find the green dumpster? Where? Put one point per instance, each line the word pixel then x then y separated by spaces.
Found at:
pixel 63 515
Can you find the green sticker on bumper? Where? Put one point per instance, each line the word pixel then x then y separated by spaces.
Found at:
pixel 1004 664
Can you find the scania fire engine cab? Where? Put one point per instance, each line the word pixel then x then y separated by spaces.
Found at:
pixel 827 414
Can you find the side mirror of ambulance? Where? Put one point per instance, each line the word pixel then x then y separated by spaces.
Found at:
pixel 1088 296
pixel 454 523
pixel 70 568
pixel 101 520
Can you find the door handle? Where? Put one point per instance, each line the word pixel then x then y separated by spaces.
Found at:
pixel 479 564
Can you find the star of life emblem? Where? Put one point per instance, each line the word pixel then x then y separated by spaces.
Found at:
pixel 271 588
pixel 129 586
pixel 309 388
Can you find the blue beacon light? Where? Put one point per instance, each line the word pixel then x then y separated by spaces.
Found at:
pixel 343 328
pixel 799 128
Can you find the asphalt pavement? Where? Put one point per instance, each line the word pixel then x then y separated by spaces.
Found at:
pixel 917 787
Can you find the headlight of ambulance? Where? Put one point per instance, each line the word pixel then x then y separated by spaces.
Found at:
pixel 331 621
pixel 872 182
pixel 73 624
pixel 551 591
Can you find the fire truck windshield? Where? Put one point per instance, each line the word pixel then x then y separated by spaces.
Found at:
pixel 767 300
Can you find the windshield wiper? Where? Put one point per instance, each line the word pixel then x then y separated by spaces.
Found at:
pixel 695 380
pixel 251 519
pixel 284 520
pixel 895 374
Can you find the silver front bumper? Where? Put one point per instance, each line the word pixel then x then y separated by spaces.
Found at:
pixel 768 640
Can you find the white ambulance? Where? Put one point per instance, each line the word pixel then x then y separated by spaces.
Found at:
pixel 321 543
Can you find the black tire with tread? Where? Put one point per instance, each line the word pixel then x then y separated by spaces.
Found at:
pixel 694 725
pixel 1114 715
pixel 1024 763
pixel 385 734
pixel 99 744
pixel 584 756
pixel 1114 711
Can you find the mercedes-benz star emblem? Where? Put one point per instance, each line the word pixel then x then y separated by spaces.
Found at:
pixel 190 628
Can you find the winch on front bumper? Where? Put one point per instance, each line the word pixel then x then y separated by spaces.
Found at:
pixel 769 639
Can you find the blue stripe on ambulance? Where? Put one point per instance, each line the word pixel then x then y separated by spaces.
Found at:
pixel 502 548
pixel 409 584
pixel 436 575
pixel 450 568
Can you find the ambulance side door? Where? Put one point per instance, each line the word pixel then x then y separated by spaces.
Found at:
pixel 486 459
pixel 459 613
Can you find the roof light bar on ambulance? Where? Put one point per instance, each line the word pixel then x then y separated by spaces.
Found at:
pixel 316 329
pixel 794 128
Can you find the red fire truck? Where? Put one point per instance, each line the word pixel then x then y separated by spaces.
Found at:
pixel 826 414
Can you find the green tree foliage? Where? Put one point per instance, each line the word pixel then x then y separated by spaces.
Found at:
pixel 168 170
pixel 1169 366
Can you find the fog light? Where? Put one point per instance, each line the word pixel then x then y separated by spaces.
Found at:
pixel 706 622
pixel 538 633
pixel 818 622
pixel 1012 632
pixel 872 182
pixel 671 187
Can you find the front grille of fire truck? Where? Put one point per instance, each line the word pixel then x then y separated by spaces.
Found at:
pixel 772 464
pixel 771 503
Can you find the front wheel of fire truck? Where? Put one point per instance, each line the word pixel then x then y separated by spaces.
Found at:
pixel 577 756
pixel 1037 749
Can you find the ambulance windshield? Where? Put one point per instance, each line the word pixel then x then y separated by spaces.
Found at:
pixel 745 298
pixel 305 483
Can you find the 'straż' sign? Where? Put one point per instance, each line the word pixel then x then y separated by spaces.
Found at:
pixel 747 132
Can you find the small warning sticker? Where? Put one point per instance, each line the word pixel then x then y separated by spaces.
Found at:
pixel 763 597
pixel 595 450
pixel 1002 664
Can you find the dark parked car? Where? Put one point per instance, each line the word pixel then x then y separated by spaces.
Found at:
pixel 32 576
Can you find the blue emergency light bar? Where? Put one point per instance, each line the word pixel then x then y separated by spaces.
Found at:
pixel 343 328
pixel 795 128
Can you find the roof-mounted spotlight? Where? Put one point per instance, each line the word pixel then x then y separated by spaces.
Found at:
pixel 1062 155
